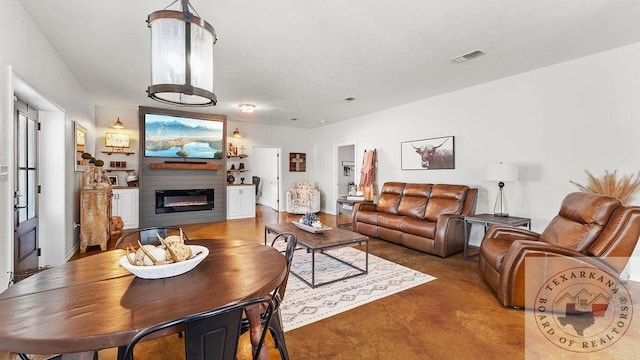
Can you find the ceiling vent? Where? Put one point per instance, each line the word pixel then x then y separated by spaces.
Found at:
pixel 468 56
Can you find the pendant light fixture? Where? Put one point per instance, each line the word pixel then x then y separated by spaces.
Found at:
pixel 118 124
pixel 236 133
pixel 181 57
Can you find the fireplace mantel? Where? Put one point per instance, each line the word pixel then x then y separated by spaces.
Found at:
pixel 184 166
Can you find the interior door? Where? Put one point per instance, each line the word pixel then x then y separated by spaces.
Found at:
pixel 26 246
pixel 266 165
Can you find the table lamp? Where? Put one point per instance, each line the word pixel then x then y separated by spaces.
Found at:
pixel 501 172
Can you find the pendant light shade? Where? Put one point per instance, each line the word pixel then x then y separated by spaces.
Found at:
pixel 118 124
pixel 181 58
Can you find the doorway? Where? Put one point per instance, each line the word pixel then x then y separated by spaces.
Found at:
pixel 26 247
pixel 265 165
pixel 346 169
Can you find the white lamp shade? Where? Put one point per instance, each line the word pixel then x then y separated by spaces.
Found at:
pixel 181 65
pixel 501 171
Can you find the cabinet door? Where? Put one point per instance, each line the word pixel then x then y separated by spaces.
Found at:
pixel 125 205
pixel 240 202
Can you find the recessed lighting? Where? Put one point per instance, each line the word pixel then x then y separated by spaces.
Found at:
pixel 349 98
pixel 323 121
pixel 247 108
pixel 294 119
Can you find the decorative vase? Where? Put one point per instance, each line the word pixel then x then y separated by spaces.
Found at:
pixel 230 178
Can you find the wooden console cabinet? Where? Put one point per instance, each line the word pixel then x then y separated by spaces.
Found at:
pixel 95 211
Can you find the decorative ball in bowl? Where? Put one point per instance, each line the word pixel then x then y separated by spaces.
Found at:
pixel 166 270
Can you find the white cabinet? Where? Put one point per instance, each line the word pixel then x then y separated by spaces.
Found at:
pixel 125 204
pixel 241 201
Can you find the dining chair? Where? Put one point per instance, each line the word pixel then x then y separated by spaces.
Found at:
pixel 211 335
pixel 274 324
pixel 148 235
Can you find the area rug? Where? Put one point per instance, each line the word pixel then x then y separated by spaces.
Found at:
pixel 303 305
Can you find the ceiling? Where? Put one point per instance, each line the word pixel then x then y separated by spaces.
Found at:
pixel 301 59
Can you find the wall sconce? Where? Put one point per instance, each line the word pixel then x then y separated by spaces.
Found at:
pixel 236 133
pixel 181 57
pixel 118 124
pixel 501 172
pixel 247 108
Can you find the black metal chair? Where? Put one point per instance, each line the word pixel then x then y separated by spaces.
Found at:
pixel 148 236
pixel 212 335
pixel 274 323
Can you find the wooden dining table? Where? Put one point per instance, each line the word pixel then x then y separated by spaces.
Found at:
pixel 93 303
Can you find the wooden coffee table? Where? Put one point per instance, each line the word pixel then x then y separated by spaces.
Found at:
pixel 318 243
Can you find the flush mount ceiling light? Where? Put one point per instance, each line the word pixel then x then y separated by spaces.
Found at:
pixel 118 124
pixel 236 133
pixel 247 108
pixel 181 57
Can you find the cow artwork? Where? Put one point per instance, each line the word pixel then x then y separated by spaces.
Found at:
pixel 436 153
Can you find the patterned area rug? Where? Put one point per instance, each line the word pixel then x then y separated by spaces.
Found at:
pixel 303 305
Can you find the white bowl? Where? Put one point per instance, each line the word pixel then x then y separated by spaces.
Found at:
pixel 168 270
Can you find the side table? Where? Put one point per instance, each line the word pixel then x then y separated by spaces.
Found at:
pixel 489 219
pixel 341 201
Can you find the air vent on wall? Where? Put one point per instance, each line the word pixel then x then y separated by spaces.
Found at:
pixel 468 56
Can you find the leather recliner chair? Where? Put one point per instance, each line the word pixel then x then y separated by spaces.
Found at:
pixel 589 227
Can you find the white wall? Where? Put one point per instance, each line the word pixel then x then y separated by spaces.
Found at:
pixel 289 140
pixel 27 54
pixel 105 116
pixel 555 123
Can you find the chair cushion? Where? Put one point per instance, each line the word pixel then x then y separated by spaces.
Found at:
pixel 445 199
pixel 580 221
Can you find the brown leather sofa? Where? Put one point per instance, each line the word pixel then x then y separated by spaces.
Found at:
pixel 592 229
pixel 424 217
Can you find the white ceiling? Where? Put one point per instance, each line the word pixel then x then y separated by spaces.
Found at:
pixel 301 59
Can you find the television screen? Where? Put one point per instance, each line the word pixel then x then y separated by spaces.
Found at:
pixel 180 137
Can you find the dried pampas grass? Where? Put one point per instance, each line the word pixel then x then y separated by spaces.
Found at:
pixel 623 188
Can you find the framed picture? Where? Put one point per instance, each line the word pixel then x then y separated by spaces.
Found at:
pixel 113 179
pixel 116 140
pixel 297 162
pixel 80 135
pixel 428 154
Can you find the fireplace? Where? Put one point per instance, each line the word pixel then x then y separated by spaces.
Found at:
pixel 168 201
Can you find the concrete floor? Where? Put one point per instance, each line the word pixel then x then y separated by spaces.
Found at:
pixel 453 317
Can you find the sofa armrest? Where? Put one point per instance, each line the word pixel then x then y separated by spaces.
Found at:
pixel 364 206
pixel 449 235
pixel 510 233
pixel 512 284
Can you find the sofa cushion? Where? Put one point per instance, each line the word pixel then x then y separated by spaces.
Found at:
pixel 414 200
pixel 580 221
pixel 445 199
pixel 390 197
pixel 390 221
pixel 419 227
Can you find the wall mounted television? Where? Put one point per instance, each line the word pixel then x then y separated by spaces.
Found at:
pixel 183 135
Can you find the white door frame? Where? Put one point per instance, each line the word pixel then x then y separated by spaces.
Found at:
pixel 336 189
pixel 278 172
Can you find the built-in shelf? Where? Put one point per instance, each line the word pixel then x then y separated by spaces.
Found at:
pixel 241 156
pixel 118 169
pixel 184 166
pixel 237 170
pixel 118 152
